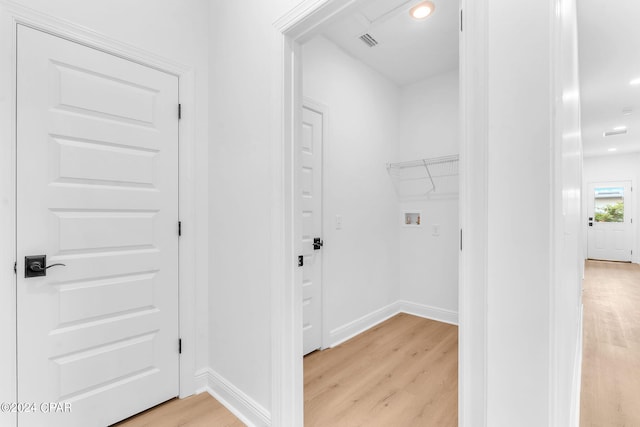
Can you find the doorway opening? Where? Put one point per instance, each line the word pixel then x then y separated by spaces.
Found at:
pixel 386 99
pixel 609 126
pixel 610 174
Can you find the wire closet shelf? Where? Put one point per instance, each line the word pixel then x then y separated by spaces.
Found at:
pixel 419 178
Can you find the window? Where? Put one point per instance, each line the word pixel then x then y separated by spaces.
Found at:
pixel 609 204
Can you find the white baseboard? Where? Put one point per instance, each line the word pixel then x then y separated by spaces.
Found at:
pixel 201 381
pixel 255 415
pixel 428 312
pixel 242 406
pixel 577 377
pixel 358 326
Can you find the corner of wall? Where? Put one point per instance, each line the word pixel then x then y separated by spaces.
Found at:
pixel 349 330
pixel 429 312
pixel 241 405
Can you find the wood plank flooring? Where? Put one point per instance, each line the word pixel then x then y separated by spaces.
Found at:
pixel 404 372
pixel 611 348
pixel 201 410
pixel 401 373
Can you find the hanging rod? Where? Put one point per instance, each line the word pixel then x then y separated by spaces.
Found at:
pixel 423 162
pixel 426 170
pixel 426 166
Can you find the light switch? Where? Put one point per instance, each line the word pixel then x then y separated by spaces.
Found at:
pixel 338 222
pixel 435 230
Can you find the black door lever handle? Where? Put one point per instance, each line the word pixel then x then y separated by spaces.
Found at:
pixel 36 266
pixel 53 265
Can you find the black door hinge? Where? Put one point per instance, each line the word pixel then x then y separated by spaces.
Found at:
pixel 460 20
pixel 15 267
pixel 179 228
pixel 300 260
pixel 179 345
pixel 179 111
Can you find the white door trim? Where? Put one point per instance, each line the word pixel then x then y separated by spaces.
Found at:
pixel 286 311
pixel 12 14
pixel 297 26
pixel 474 215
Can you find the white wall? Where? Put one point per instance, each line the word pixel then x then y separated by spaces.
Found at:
pixel 243 49
pixel 177 31
pixel 618 167
pixel 429 117
pixel 360 260
pixel 527 287
pixel 519 175
pixel 429 128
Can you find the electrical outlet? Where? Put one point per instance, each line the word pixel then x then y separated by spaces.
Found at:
pixel 338 222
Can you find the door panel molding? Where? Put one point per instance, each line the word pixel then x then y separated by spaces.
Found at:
pixel 88 343
pixel 323 109
pixel 314 255
pixel 12 15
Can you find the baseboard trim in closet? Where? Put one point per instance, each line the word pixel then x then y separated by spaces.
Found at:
pixel 358 326
pixel 345 332
pixel 428 312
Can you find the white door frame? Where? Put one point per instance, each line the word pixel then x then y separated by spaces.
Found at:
pixel 11 15
pixel 297 26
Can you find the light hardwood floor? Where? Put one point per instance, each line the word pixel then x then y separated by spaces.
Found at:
pixel 401 373
pixel 611 348
pixel 201 410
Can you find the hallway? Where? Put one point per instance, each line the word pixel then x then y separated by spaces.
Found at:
pixel 611 359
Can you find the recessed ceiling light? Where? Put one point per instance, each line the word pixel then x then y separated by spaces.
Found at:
pixel 422 10
pixel 635 82
pixel 612 149
pixel 619 128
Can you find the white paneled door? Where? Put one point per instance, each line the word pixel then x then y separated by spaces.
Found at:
pixel 310 174
pixel 97 191
pixel 609 221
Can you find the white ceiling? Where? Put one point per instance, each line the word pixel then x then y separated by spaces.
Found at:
pixel 408 50
pixel 609 57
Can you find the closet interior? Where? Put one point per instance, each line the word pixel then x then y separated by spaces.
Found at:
pixel 381 97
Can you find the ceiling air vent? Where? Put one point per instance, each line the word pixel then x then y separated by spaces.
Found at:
pixel 368 40
pixel 615 132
